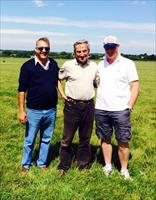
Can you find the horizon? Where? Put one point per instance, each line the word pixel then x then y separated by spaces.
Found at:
pixel 101 53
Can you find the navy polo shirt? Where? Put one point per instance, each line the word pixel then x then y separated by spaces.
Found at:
pixel 39 84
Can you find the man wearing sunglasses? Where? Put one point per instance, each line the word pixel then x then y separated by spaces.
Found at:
pixel 79 74
pixel 38 83
pixel 116 96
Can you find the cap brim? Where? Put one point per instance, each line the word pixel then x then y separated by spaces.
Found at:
pixel 110 45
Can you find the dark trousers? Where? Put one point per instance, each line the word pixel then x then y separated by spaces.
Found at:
pixel 77 115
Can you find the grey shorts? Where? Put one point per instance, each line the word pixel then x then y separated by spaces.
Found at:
pixel 106 121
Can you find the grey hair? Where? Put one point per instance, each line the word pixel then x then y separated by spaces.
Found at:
pixel 81 42
pixel 45 39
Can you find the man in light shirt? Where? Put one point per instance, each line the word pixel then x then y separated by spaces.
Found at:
pixel 116 96
pixel 38 83
pixel 80 74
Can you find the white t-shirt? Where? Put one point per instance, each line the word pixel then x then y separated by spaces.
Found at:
pixel 113 92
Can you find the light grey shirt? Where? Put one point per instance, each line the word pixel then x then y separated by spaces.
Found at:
pixel 79 79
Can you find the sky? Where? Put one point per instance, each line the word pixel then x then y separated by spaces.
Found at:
pixel 65 22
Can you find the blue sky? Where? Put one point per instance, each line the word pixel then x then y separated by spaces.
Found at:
pixel 64 22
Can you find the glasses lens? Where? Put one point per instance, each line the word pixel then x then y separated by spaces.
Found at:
pixel 110 46
pixel 41 48
pixel 47 48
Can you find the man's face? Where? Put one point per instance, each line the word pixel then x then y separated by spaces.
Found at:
pixel 111 53
pixel 42 50
pixel 82 53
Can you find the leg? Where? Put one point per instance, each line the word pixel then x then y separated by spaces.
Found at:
pixel 70 126
pixel 46 132
pixel 123 153
pixel 104 130
pixel 32 127
pixel 85 131
pixel 123 135
pixel 107 151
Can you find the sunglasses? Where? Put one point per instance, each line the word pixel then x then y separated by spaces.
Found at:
pixel 110 46
pixel 45 48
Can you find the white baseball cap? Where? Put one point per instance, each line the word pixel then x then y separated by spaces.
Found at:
pixel 110 41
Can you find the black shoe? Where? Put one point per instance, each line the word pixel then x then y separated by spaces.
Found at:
pixel 82 167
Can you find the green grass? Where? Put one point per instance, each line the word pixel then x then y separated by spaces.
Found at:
pixel 76 185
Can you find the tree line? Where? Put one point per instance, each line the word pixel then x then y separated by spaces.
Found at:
pixel 68 55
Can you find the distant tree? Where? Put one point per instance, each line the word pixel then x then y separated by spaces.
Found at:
pixel 68 55
pixel 6 53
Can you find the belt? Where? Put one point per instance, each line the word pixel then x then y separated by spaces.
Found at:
pixel 79 101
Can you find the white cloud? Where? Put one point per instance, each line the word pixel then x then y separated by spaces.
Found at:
pixel 138 44
pixel 29 44
pixel 61 44
pixel 18 44
pixel 137 47
pixel 39 3
pixel 26 32
pixel 80 24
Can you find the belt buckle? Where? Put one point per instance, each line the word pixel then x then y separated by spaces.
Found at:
pixel 72 100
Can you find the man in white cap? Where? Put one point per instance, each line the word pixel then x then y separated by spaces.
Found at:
pixel 116 95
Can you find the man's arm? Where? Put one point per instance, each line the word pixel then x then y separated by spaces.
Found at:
pixel 134 93
pixel 60 89
pixel 96 80
pixel 21 108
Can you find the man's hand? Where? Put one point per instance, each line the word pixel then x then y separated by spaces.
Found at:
pixel 134 93
pixel 64 97
pixel 22 117
pixel 62 94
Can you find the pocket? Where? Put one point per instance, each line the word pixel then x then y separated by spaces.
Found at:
pixel 127 111
pixel 67 106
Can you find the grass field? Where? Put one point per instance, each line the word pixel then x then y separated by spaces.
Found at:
pixel 76 185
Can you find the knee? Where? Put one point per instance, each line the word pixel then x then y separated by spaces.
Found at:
pixel 46 140
pixel 123 145
pixel 105 140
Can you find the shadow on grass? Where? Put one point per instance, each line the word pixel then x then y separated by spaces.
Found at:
pixel 96 154
pixel 52 155
pixel 115 157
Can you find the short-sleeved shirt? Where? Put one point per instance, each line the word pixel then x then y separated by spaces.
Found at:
pixel 113 92
pixel 79 79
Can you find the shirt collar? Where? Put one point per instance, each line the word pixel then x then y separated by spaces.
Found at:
pixel 76 63
pixel 115 61
pixel 46 66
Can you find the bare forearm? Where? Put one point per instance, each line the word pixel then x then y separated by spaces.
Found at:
pixel 61 91
pixel 21 101
pixel 134 93
pixel 21 105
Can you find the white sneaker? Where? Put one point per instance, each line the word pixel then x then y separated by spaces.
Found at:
pixel 107 169
pixel 125 174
